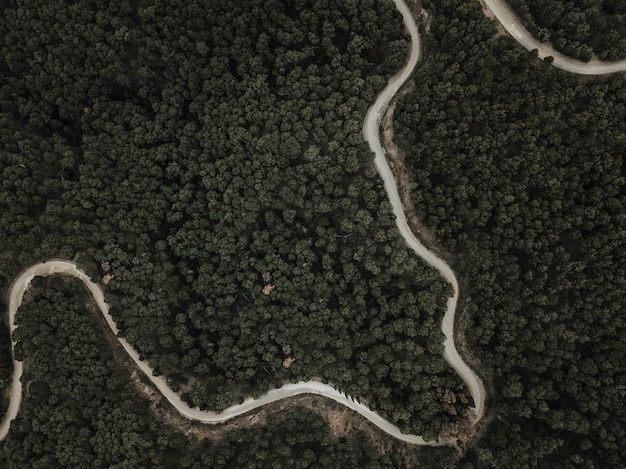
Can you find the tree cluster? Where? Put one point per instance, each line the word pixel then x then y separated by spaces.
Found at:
pixel 6 366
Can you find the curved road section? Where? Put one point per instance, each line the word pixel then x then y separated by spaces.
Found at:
pixel 370 133
pixel 371 129
pixel 513 25
pixel 56 267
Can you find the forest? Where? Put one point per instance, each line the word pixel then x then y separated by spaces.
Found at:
pixel 519 172
pixel 206 163
pixel 578 29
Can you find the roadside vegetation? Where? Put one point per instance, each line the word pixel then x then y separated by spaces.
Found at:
pixel 577 29
pixel 518 170
pixel 6 368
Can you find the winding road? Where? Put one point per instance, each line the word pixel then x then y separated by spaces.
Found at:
pixel 371 128
pixel 371 134
pixel 509 20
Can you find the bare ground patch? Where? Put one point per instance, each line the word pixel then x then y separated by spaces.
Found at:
pixel 500 31
pixel 397 161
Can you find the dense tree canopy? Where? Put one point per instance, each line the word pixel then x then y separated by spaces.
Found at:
pixel 206 161
pixel 519 170
pixel 6 366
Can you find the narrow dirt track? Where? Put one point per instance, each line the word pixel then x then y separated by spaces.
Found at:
pixel 63 267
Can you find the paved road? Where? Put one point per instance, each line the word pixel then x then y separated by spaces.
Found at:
pixel 514 27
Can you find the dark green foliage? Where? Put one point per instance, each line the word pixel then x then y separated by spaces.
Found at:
pixel 577 29
pixel 188 149
pixel 519 171
pixel 79 408
pixel 6 365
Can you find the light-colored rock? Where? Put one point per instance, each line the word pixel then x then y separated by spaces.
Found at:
pixel 107 278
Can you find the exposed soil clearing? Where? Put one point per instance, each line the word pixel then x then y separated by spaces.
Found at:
pixel 396 157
